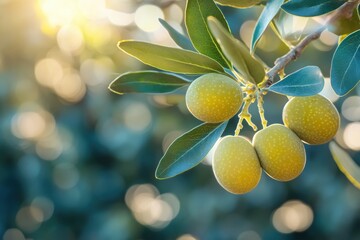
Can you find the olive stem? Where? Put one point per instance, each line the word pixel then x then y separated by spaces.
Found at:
pixel 345 10
pixel 260 104
pixel 245 115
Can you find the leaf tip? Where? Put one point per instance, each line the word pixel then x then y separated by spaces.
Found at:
pixel 111 89
pixel 122 42
pixel 159 175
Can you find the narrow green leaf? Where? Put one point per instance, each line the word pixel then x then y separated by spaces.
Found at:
pixel 147 82
pixel 178 38
pixel 345 64
pixel 170 59
pixel 271 9
pixel 311 8
pixel 346 164
pixel 236 51
pixel 196 14
pixel 189 150
pixel 239 3
pixel 307 81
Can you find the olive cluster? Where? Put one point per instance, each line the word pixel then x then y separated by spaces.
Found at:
pixel 277 149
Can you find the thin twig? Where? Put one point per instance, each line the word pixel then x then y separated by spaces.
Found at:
pixel 346 10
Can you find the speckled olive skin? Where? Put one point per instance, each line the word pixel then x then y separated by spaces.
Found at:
pixel 281 152
pixel 236 165
pixel 214 98
pixel 314 119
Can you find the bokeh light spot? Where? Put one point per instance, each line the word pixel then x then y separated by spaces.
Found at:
pixel 293 216
pixel 32 124
pixel 146 17
pixel 58 13
pixel 350 108
pixel 246 31
pixel 70 87
pixel 70 39
pixel 48 71
pixel 26 221
pixel 186 237
pixel 13 234
pixel 328 38
pixel 45 205
pixel 137 117
pixel 149 208
pixel 352 136
pixel 175 13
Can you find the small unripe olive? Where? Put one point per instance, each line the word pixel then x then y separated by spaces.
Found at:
pixel 281 152
pixel 214 98
pixel 314 119
pixel 236 165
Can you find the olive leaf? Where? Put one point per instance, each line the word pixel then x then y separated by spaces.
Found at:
pixel 307 81
pixel 271 9
pixel 189 150
pixel 196 14
pixel 311 8
pixel 236 51
pixel 181 40
pixel 170 59
pixel 147 82
pixel 345 64
pixel 346 164
pixel 239 4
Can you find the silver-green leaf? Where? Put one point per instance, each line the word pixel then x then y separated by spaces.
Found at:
pixel 196 14
pixel 271 9
pixel 181 40
pixel 307 81
pixel 346 164
pixel 147 82
pixel 248 67
pixel 170 59
pixel 345 64
pixel 189 150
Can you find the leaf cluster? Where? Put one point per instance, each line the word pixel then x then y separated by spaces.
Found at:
pixel 210 47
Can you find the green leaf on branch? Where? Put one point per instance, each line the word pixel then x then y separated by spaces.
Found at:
pixel 311 8
pixel 196 14
pixel 248 67
pixel 170 59
pixel 271 9
pixel 346 164
pixel 345 64
pixel 189 150
pixel 239 4
pixel 307 81
pixel 178 38
pixel 147 82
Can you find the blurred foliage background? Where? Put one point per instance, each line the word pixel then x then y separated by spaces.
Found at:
pixel 78 162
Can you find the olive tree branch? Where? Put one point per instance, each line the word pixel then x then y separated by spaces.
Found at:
pixel 346 10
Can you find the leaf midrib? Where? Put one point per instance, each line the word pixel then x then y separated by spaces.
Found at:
pixel 209 33
pixel 295 86
pixel 171 59
pixel 347 69
pixel 182 155
pixel 153 83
